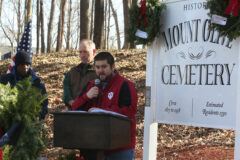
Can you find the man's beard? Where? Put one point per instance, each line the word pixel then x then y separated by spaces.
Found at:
pixel 106 79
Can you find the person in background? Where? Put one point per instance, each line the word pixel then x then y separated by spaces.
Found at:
pixel 22 70
pixel 78 77
pixel 114 93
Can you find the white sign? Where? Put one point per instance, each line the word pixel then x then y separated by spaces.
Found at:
pixel 192 74
pixel 197 69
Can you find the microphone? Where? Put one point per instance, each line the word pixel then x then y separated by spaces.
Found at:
pixel 97 82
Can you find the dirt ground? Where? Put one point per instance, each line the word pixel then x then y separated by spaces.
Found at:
pixel 193 153
pixel 174 142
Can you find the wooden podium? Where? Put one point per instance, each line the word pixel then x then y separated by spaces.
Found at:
pixel 92 133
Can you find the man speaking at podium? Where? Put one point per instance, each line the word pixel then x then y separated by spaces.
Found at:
pixel 113 93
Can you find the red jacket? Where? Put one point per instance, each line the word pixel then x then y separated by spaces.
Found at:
pixel 119 96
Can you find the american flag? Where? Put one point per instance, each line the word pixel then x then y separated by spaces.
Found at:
pixel 24 45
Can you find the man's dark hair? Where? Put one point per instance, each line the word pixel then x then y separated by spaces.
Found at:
pixel 104 56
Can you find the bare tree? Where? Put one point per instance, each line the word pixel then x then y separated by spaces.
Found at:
pixel 50 27
pixel 38 26
pixel 19 21
pixel 116 24
pixel 1 3
pixel 8 30
pixel 126 6
pixel 108 25
pixel 98 23
pixel 69 25
pixel 134 2
pixel 10 38
pixel 105 25
pixel 132 44
pixel 78 34
pixel 42 27
pixel 92 20
pixel 61 25
pixel 84 19
pixel 78 27
pixel 27 12
pixel 17 7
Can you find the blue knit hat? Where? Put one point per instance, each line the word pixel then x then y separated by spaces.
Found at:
pixel 22 57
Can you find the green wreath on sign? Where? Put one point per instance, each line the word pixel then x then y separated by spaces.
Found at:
pixel 230 10
pixel 144 21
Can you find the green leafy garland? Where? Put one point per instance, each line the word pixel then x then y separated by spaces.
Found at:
pixel 23 103
pixel 153 13
pixel 232 28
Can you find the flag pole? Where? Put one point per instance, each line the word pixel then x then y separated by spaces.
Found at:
pixel 25 44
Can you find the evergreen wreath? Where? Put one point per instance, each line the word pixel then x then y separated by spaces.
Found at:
pixel 232 27
pixel 145 16
pixel 23 103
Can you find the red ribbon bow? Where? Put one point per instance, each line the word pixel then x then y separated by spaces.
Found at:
pixel 233 7
pixel 80 158
pixel 143 9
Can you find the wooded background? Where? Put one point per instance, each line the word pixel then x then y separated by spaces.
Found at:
pixel 61 24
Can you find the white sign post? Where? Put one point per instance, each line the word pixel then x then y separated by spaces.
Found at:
pixel 193 73
pixel 150 125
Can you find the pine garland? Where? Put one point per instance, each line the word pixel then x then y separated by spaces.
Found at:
pixel 232 28
pixel 153 13
pixel 23 103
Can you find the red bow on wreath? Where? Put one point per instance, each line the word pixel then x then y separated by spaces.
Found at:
pixel 80 158
pixel 233 7
pixel 143 9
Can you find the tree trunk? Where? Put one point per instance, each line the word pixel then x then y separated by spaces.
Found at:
pixel 27 13
pixel 42 27
pixel 116 24
pixel 126 6
pixel 108 27
pixel 61 25
pixel 92 20
pixel 98 23
pixel 59 28
pixel 134 2
pixel 63 22
pixel 132 44
pixel 29 10
pixel 50 27
pixel 105 25
pixel 69 25
pixel 84 19
pixel 1 2
pixel 78 29
pixel 78 34
pixel 19 21
pixel 38 27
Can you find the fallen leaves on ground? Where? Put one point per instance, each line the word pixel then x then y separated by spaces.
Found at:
pixel 174 141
